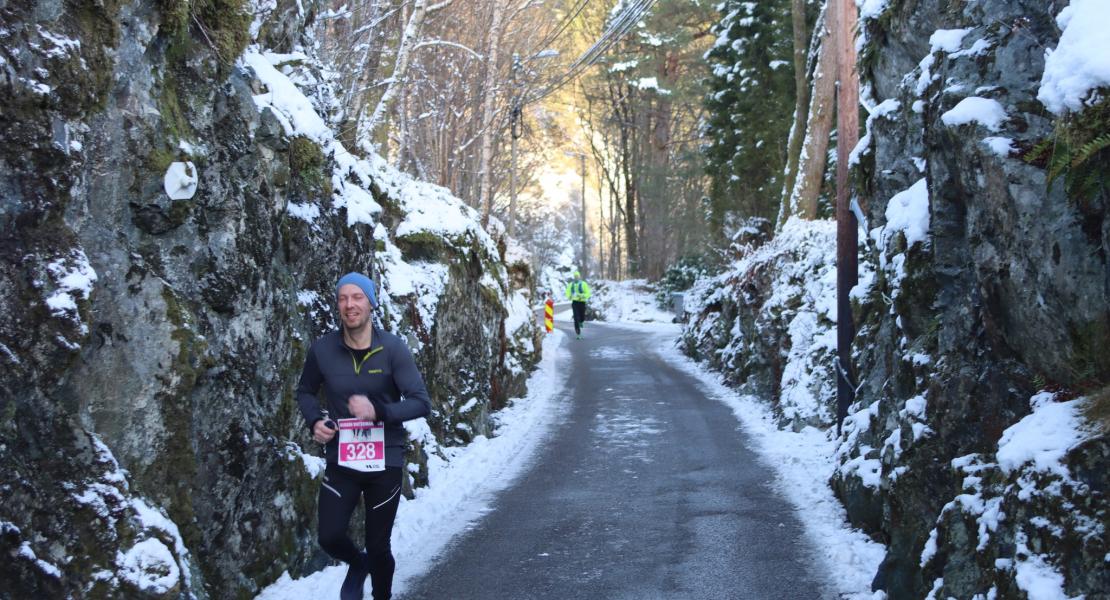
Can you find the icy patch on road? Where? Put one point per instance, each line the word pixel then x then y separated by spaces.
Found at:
pixel 610 353
pixel 626 430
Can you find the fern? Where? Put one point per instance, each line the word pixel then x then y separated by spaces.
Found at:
pixel 1058 162
pixel 1077 150
pixel 1089 149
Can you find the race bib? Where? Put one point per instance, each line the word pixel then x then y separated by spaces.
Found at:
pixel 362 445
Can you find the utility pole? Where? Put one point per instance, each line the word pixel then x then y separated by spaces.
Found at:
pixel 847 260
pixel 601 264
pixel 516 127
pixel 585 256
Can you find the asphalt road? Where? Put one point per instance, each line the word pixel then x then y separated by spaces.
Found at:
pixel 646 490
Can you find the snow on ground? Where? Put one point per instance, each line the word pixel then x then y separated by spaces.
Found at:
pixel 1044 437
pixel 630 301
pixel 461 488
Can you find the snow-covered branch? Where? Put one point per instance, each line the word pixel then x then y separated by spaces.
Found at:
pixel 420 11
pixel 446 43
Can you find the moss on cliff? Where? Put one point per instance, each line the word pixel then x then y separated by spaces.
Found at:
pixel 308 168
pixel 422 246
pixel 221 25
pixel 171 476
pixel 169 105
pixel 98 24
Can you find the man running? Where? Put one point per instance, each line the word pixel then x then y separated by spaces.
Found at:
pixel 578 291
pixel 371 386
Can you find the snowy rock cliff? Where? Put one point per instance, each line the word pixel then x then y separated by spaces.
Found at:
pixel 977 450
pixel 767 323
pixel 175 211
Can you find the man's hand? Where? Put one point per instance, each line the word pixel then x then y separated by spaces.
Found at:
pixel 322 433
pixel 360 406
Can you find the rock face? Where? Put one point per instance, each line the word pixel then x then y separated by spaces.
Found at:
pixel 150 343
pixel 1007 295
pixel 977 447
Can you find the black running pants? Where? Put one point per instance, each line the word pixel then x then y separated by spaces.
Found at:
pixel 578 307
pixel 339 495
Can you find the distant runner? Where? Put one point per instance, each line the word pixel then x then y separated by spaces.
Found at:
pixel 371 386
pixel 578 291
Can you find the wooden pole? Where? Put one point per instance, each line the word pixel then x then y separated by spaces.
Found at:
pixel 847 275
pixel 585 256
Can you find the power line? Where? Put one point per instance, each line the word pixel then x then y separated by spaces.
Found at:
pixel 625 20
pixel 617 29
pixel 546 42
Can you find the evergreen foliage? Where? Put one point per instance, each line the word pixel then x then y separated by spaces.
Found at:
pixel 1078 150
pixel 750 108
pixel 680 276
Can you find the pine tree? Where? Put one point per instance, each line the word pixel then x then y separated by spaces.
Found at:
pixel 750 105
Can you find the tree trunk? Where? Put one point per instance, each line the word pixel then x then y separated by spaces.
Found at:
pixel 489 106
pixel 631 189
pixel 409 38
pixel 811 162
pixel 801 103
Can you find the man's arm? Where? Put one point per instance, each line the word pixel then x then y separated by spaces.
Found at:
pixel 308 388
pixel 415 402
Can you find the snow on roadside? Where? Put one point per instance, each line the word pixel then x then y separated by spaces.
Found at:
pixel 803 462
pixel 460 488
pixel 631 301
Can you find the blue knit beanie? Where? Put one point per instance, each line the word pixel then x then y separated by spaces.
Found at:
pixel 361 281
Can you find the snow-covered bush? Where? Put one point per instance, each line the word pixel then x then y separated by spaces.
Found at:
pixel 768 322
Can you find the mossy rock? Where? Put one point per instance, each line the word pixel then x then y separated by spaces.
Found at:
pixel 175 124
pixel 422 246
pixel 308 168
pixel 99 26
pixel 169 478
pixel 159 160
pixel 493 297
pixel 304 155
pixel 223 26
pixel 156 219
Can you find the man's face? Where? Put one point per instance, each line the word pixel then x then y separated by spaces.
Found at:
pixel 354 306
